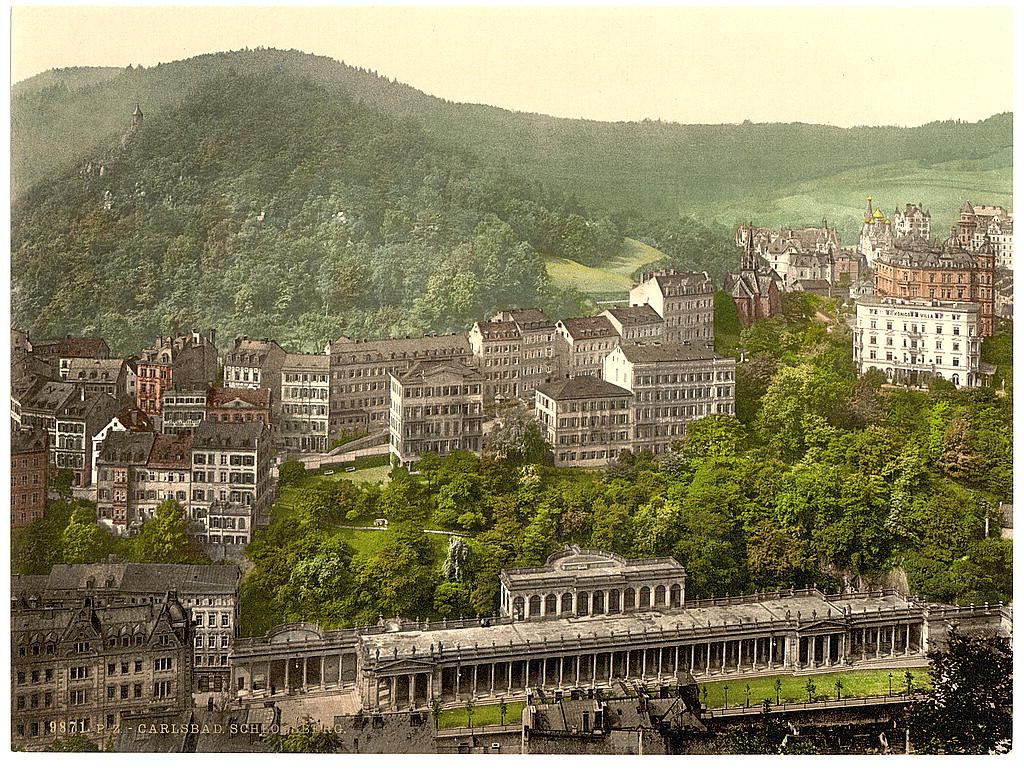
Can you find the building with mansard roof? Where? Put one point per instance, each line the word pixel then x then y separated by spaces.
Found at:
pixel 498 351
pixel 684 300
pixel 583 343
pixel 636 323
pixel 586 421
pixel 361 375
pixel 913 268
pixel 305 403
pixel 436 408
pixel 672 385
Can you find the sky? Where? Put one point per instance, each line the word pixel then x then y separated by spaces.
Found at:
pixel 867 65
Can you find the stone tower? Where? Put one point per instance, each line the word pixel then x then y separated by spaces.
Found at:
pixel 136 117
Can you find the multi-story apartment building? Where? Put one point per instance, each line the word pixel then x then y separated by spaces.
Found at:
pixel 538 362
pixel 583 343
pixel 181 410
pixel 436 407
pixel 913 340
pixel 88 669
pixel 636 323
pixel 210 594
pixel 305 403
pixel 672 385
pixel 238 405
pixel 684 300
pixel 361 375
pixel 254 365
pixel 72 420
pixel 231 465
pixel 587 421
pixel 875 235
pixel 30 461
pixel 110 376
pixel 131 420
pixel 945 272
pixel 121 477
pixel 168 473
pixel 178 362
pixel 913 222
pixel 498 349
pixel 982 225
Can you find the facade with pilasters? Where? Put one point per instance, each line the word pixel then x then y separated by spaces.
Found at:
pixel 405 665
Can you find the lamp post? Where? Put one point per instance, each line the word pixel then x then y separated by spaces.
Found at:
pixel 890 684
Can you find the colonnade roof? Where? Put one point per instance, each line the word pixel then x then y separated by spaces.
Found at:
pixel 574 564
pixel 719 615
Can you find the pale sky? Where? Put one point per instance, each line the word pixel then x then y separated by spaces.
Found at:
pixel 842 66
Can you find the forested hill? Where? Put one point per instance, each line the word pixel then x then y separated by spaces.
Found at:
pixel 727 171
pixel 276 207
pixel 279 194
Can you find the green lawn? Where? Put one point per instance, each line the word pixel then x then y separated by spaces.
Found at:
pixel 610 277
pixel 856 684
pixel 369 475
pixel 487 714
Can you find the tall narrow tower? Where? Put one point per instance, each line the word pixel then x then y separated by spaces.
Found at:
pixel 136 117
pixel 749 262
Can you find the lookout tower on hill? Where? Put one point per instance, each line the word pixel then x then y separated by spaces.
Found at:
pixel 136 117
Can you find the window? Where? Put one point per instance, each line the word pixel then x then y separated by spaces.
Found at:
pixel 163 664
pixel 162 689
pixel 79 672
pixel 82 646
pixel 137 691
pixel 138 666
pixel 79 697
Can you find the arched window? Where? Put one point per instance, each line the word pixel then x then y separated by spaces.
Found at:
pixel 582 603
pixel 676 595
pixel 566 603
pixel 534 606
pixel 645 597
pixel 598 602
pixel 518 607
pixel 659 596
pixel 629 599
pixel 551 604
pixel 613 601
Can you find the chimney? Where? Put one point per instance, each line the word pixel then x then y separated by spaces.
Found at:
pixel 213 335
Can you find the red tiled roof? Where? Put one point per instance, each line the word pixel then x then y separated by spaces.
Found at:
pixel 171 452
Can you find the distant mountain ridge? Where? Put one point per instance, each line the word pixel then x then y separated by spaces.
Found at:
pixel 670 168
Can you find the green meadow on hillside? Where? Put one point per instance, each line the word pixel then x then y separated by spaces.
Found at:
pixel 610 279
pixel 941 188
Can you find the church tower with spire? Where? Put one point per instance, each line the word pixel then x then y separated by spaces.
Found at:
pixel 876 234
